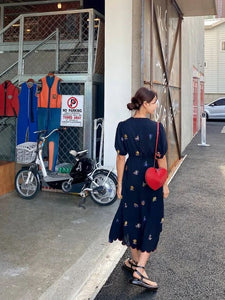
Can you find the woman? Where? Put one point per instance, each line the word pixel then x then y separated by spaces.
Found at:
pixel 138 220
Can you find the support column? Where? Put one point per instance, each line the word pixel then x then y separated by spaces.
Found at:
pixel 120 66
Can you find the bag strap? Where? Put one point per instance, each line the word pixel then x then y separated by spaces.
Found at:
pixel 156 142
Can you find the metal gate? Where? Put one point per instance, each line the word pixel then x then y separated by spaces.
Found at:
pixel 162 67
pixel 70 43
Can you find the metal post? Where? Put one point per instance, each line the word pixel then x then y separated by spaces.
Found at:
pixel 57 51
pixel 101 142
pixel 203 131
pixel 1 21
pixel 95 139
pixel 80 27
pixel 90 42
pixel 20 53
pixel 98 123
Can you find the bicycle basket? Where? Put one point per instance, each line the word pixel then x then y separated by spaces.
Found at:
pixel 26 152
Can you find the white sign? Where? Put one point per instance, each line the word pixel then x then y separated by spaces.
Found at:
pixel 72 110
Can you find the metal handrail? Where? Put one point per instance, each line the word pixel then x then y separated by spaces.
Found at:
pixel 21 57
pixel 10 24
pixel 28 53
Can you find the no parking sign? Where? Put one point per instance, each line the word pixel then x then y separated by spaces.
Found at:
pixel 72 110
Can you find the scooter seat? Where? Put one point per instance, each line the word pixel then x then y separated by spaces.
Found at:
pixel 78 154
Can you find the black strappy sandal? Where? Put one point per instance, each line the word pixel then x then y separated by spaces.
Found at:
pixel 132 263
pixel 140 281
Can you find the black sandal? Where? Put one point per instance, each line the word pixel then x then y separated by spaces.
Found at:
pixel 132 263
pixel 140 281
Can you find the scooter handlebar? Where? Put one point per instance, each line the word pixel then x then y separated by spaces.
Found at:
pixel 39 132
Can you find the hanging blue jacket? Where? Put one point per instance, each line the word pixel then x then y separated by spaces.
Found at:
pixel 27 117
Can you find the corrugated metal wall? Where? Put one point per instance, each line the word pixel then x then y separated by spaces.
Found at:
pixel 162 68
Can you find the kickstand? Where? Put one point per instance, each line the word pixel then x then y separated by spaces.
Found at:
pixel 82 202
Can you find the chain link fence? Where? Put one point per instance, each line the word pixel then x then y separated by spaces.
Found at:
pixel 68 43
pixel 7 138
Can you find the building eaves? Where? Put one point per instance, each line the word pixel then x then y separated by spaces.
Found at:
pixel 210 24
pixel 193 8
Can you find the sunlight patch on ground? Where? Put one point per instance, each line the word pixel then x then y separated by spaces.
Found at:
pixel 222 169
pixel 223 130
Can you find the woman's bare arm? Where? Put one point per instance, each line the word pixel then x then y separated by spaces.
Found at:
pixel 162 163
pixel 120 163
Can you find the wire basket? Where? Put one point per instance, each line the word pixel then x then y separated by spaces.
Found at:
pixel 26 152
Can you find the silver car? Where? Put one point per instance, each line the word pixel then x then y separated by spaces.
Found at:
pixel 215 109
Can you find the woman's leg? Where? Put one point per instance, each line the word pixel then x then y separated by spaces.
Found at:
pixel 134 258
pixel 135 254
pixel 142 261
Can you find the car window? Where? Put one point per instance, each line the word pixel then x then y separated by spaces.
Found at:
pixel 220 102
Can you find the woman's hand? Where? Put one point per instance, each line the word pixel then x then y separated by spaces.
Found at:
pixel 166 191
pixel 119 190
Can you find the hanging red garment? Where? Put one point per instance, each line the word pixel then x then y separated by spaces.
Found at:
pixel 9 101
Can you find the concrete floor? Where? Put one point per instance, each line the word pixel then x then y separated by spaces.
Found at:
pixel 49 245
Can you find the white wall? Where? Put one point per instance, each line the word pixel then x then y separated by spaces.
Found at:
pixel 192 55
pixel 215 60
pixel 118 70
pixel 211 71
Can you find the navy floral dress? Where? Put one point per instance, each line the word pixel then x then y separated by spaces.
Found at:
pixel 138 220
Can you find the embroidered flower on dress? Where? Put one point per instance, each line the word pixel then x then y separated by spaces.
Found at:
pixel 118 151
pixel 150 237
pixel 136 172
pixel 137 138
pixel 137 153
pixel 125 136
pixel 138 225
pixel 162 220
pixel 134 242
pixel 154 199
pixel 131 188
pixel 150 136
pixel 144 184
pixel 158 154
pixel 143 202
pixel 125 205
pixel 145 164
pixel 136 205
pixel 144 219
pixel 125 223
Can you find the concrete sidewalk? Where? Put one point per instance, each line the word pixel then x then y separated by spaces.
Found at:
pixel 190 260
pixel 49 247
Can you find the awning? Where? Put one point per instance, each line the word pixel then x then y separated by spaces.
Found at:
pixel 191 8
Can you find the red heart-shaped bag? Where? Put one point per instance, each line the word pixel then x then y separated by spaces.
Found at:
pixel 155 177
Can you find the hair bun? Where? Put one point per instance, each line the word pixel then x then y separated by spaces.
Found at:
pixel 130 106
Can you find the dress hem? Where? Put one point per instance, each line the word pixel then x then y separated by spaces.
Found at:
pixel 138 249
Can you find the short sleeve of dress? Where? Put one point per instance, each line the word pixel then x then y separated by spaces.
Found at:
pixel 119 141
pixel 162 142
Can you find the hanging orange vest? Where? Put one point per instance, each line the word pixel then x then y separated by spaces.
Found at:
pixel 49 97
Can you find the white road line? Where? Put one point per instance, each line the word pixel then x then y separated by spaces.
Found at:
pixel 223 130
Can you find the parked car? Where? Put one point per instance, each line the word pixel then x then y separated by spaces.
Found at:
pixel 215 109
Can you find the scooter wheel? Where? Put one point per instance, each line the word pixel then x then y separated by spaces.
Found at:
pixel 66 187
pixel 27 184
pixel 103 187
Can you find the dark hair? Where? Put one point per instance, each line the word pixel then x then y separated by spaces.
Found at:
pixel 142 94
